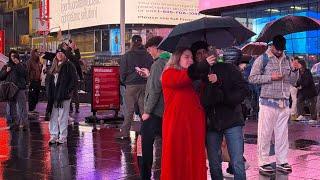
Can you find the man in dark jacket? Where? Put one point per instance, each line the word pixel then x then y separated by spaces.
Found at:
pixel 153 105
pixel 136 58
pixel 222 97
pixel 16 72
pixel 306 91
pixel 73 54
pixel 34 76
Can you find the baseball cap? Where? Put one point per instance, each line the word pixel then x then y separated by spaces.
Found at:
pixel 279 42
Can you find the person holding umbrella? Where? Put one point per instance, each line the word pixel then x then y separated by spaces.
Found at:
pixel 275 79
pixel 225 90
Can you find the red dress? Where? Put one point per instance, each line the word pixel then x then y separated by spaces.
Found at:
pixel 183 138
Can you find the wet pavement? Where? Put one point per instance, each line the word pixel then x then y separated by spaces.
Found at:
pixel 97 155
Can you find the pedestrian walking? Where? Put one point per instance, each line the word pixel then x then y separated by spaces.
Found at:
pixel 183 129
pixel 307 93
pixel 34 76
pixel 136 57
pixel 275 73
pixel 61 86
pixel 16 72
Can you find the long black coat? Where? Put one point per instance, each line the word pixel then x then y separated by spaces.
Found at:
pixel 221 100
pixel 17 75
pixel 65 84
pixel 308 88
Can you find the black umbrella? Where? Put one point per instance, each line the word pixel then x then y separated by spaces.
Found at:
pixel 287 25
pixel 220 32
pixel 49 56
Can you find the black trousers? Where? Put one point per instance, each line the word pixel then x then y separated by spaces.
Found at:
pixel 312 105
pixel 149 130
pixel 75 97
pixel 34 91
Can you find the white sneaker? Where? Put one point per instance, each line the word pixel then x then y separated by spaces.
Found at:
pixel 301 118
pixel 311 121
pixel 53 140
pixel 227 175
pixel 61 140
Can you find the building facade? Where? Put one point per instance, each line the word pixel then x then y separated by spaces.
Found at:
pixel 256 13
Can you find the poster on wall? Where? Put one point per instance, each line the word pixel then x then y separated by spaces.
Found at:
pixel 115 47
pixel 74 14
pixel 105 88
pixel 2 42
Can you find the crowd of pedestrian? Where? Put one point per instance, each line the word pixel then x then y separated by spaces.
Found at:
pixel 24 78
pixel 198 105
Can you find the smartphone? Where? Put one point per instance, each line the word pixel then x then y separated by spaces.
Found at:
pixel 212 51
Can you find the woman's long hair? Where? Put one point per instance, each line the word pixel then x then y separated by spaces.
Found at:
pixel 174 61
pixel 34 57
pixel 55 65
pixel 10 53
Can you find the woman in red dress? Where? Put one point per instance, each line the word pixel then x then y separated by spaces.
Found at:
pixel 183 138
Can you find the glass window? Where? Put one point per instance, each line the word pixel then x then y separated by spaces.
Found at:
pixel 105 40
pixel 97 41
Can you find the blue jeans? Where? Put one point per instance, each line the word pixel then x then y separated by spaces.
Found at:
pixel 235 144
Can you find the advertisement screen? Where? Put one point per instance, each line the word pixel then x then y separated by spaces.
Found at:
pixel 74 14
pixel 106 88
pixel 210 4
pixel 115 47
pixel 306 42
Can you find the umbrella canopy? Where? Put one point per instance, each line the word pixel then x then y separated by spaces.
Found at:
pixel 287 25
pixel 49 56
pixel 254 48
pixel 220 32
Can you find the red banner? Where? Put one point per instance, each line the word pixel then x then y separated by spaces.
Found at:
pixel 44 16
pixel 105 88
pixel 2 41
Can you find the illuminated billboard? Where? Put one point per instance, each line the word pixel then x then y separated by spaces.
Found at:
pixel 211 4
pixel 74 14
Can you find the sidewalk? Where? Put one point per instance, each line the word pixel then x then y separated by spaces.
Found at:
pixel 88 155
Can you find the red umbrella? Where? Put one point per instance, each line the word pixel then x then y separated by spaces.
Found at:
pixel 287 25
pixel 254 48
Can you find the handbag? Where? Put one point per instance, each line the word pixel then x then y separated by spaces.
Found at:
pixel 8 90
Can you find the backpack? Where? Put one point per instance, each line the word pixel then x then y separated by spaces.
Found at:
pixel 265 61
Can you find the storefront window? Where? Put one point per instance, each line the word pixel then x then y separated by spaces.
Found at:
pixel 97 42
pixel 85 41
pixel 105 40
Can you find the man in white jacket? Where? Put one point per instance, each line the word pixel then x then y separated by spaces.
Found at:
pixel 275 73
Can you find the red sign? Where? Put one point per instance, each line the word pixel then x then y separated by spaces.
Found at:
pixel 44 16
pixel 105 88
pixel 2 41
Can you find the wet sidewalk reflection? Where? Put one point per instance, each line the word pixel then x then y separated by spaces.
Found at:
pixel 88 155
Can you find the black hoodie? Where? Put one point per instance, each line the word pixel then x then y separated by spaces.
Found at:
pixel 17 75
pixel 134 58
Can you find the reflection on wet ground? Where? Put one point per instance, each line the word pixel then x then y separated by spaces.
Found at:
pixel 97 155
